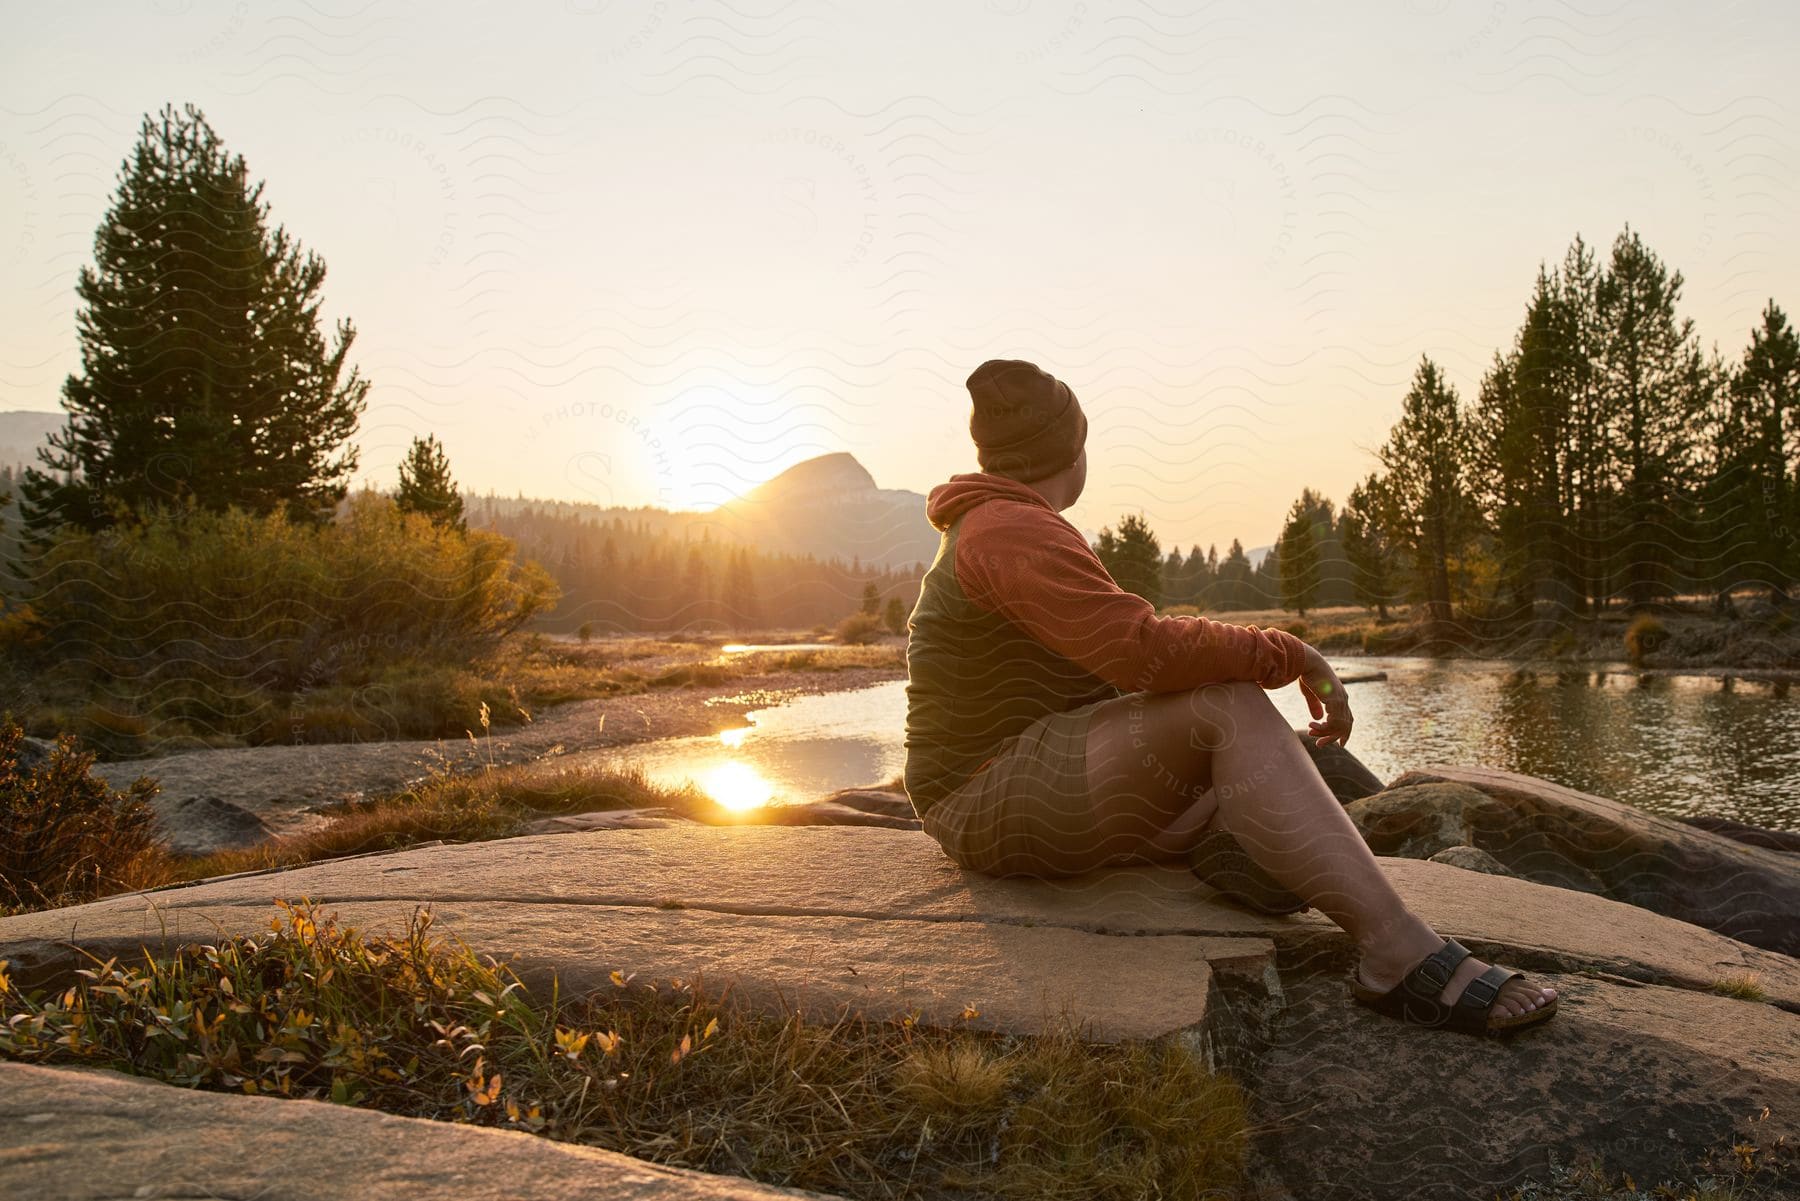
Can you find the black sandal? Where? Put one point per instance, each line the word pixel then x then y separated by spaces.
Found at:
pixel 1221 862
pixel 1415 998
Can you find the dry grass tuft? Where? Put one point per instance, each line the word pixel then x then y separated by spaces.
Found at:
pixel 957 1078
pixel 1746 986
pixel 467 807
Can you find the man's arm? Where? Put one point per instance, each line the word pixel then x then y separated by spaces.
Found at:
pixel 1036 570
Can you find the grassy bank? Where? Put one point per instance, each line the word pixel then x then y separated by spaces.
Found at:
pixel 1759 636
pixel 411 697
pixel 864 1106
pixel 72 838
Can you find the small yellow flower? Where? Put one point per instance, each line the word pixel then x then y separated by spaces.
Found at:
pixel 970 1013
pixel 712 1028
pixel 621 979
pixel 609 1043
pixel 480 1093
pixel 687 1044
pixel 570 1044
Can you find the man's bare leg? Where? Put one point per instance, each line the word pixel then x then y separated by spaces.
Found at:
pixel 1158 762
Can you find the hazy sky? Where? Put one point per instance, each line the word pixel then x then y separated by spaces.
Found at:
pixel 647 251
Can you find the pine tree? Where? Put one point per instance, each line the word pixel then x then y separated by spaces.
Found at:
pixel 1299 558
pixel 1657 388
pixel 1265 580
pixel 1519 433
pixel 1424 458
pixel 695 600
pixel 1196 577
pixel 871 595
pixel 1584 485
pixel 1234 584
pixel 1170 584
pixel 1754 498
pixel 1366 527
pixel 1132 557
pixel 204 376
pixel 426 486
pixel 740 591
pixel 894 616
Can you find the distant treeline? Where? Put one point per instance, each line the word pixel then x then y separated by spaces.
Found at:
pixel 1607 458
pixel 620 574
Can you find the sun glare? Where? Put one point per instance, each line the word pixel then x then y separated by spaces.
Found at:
pixel 737 786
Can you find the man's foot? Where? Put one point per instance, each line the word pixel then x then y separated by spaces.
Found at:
pixel 1382 972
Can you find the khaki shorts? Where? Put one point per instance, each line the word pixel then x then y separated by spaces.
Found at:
pixel 1028 811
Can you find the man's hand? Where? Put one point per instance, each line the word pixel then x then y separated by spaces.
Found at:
pixel 1326 697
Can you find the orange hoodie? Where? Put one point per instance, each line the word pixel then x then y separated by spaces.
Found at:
pixel 1017 557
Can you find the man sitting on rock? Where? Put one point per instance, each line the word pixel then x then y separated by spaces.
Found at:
pixel 1056 724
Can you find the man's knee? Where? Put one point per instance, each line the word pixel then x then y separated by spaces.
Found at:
pixel 1222 712
pixel 1226 697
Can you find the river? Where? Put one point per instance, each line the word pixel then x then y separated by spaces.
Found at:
pixel 1673 745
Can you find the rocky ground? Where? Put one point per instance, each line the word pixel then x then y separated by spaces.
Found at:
pixel 1646 1065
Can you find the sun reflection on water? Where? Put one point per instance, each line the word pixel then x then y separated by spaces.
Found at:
pixel 737 786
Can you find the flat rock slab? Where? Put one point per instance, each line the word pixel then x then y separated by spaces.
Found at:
pixel 78 1135
pixel 902 875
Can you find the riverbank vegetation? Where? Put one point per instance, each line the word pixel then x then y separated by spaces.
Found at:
pixel 74 838
pixel 217 631
pixel 859 1105
pixel 1760 639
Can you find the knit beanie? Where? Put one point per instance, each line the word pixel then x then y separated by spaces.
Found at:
pixel 1027 424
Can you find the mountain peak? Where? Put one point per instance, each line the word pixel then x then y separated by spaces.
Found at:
pixel 831 506
pixel 833 476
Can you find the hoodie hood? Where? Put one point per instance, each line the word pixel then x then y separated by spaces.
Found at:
pixel 951 499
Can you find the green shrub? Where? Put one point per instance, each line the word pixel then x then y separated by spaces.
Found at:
pixel 683 675
pixel 208 613
pixel 1296 628
pixel 68 837
pixel 112 726
pixel 1644 636
pixel 1393 640
pixel 20 628
pixel 859 629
